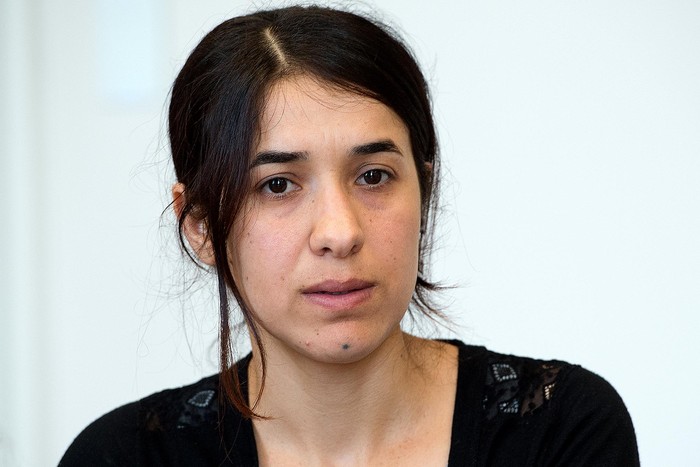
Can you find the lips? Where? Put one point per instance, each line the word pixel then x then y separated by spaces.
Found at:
pixel 338 295
pixel 334 287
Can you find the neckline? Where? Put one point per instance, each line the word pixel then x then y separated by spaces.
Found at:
pixel 465 420
pixel 471 373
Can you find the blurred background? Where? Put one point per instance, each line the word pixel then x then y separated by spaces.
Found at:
pixel 571 205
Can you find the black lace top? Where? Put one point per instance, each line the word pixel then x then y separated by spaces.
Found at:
pixel 509 411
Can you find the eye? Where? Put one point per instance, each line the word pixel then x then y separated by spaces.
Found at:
pixel 278 186
pixel 373 177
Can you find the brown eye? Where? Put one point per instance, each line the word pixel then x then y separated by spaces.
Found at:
pixel 277 185
pixel 372 177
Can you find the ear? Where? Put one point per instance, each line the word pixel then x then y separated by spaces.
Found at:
pixel 195 230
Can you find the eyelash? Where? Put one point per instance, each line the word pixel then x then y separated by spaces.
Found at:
pixel 265 188
pixel 385 177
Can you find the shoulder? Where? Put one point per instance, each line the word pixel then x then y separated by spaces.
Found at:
pixel 526 386
pixel 547 411
pixel 113 439
pixel 522 385
pixel 180 426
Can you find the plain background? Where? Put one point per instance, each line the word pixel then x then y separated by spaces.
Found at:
pixel 570 134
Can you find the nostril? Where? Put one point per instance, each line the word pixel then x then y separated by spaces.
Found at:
pixel 336 229
pixel 335 238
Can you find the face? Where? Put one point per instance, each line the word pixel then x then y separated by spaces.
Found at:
pixel 326 252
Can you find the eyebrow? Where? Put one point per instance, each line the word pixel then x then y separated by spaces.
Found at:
pixel 385 145
pixel 281 157
pixel 277 157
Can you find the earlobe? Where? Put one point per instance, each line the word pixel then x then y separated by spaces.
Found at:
pixel 194 229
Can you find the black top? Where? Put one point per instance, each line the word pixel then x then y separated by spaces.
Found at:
pixel 509 411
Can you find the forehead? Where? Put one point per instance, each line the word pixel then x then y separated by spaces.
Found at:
pixel 303 110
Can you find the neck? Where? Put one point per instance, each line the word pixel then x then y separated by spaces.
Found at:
pixel 343 407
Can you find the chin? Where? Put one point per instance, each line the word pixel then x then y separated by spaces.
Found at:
pixel 349 352
pixel 343 348
pixel 337 343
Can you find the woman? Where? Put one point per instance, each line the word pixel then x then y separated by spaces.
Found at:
pixel 307 169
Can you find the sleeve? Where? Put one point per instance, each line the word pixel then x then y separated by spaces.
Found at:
pixel 590 425
pixel 111 440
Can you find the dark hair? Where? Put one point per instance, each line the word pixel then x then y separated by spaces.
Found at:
pixel 214 120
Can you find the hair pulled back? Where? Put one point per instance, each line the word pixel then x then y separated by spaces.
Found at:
pixel 214 123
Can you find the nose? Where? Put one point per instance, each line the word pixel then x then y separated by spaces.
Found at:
pixel 337 230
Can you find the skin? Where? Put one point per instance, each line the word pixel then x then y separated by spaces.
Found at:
pixel 326 256
pixel 329 224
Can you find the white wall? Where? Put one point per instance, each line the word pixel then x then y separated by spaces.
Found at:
pixel 571 138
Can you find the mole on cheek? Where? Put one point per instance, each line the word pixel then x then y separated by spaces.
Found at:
pixel 346 346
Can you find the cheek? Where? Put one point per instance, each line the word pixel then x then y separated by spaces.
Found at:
pixel 398 236
pixel 265 253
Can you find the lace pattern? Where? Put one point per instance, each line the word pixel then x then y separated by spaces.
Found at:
pixel 190 406
pixel 518 386
pixel 198 408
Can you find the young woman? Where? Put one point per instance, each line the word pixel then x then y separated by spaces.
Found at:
pixel 307 169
